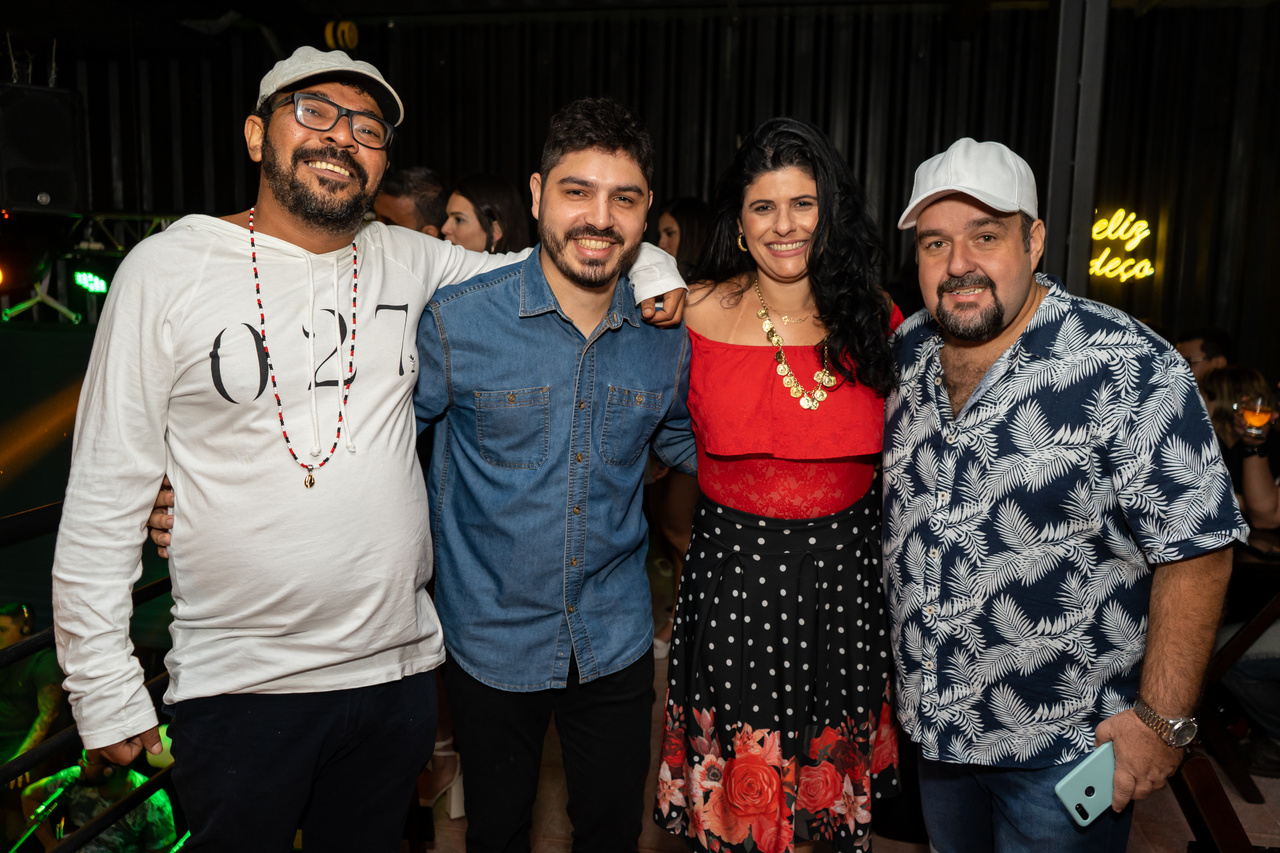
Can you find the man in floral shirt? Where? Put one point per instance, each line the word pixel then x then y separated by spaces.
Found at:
pixel 1056 523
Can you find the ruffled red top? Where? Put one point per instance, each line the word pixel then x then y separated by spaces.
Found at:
pixel 759 452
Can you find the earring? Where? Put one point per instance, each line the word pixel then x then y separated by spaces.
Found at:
pixel 742 244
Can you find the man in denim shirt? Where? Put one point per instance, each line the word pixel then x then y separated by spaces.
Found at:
pixel 552 389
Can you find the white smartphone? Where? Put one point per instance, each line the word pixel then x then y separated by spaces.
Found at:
pixel 1086 791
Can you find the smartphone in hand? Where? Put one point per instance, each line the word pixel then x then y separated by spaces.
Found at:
pixel 1086 791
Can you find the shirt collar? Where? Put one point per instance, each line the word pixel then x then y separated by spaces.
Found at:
pixel 1040 337
pixel 536 296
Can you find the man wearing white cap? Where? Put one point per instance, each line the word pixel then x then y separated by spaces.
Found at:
pixel 1056 523
pixel 227 358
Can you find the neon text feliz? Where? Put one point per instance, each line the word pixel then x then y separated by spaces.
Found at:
pixel 1132 231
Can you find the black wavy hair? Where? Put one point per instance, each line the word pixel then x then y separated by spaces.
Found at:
pixel 845 254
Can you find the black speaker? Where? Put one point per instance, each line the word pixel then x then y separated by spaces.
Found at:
pixel 41 150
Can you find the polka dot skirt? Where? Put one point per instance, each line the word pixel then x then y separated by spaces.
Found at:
pixel 778 727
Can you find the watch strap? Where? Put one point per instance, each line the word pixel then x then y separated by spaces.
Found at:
pixel 1161 725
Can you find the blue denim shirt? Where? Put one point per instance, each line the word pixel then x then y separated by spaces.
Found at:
pixel 537 474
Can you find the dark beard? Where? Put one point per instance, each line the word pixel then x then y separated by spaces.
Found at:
pixel 324 211
pixel 974 327
pixel 597 273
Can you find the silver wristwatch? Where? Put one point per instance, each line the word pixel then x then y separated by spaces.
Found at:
pixel 1177 732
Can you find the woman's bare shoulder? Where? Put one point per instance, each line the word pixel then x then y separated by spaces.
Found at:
pixel 711 307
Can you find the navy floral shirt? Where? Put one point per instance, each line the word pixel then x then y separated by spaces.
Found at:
pixel 1020 536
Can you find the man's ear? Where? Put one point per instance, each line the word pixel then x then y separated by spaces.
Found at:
pixel 431 231
pixel 1037 242
pixel 535 189
pixel 254 131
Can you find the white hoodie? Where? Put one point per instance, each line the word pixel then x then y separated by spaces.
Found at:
pixel 277 588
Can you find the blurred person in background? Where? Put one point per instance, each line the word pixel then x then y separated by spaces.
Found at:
pixel 412 198
pixel 1254 679
pixel 682 231
pixel 89 788
pixel 671 494
pixel 1205 350
pixel 486 214
pixel 31 700
pixel 1223 389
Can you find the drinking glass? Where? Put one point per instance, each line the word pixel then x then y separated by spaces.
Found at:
pixel 1256 412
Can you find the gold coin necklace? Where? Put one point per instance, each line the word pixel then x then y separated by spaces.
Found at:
pixel 808 399
pixel 310 479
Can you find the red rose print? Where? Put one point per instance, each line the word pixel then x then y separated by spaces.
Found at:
pixel 823 742
pixel 673 747
pixel 751 786
pixel 885 752
pixel 820 788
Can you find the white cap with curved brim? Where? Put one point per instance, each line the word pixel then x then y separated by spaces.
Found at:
pixel 307 62
pixel 987 171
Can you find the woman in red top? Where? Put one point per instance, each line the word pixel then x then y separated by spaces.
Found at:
pixel 778 727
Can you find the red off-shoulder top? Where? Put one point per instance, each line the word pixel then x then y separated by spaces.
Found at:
pixel 759 452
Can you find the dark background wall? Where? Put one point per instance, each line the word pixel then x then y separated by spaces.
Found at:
pixel 1187 136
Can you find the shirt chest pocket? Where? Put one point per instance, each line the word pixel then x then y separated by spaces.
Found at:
pixel 513 428
pixel 630 417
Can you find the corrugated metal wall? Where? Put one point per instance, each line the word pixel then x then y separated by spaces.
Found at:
pixel 1186 138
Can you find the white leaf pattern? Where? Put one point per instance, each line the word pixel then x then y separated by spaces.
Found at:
pixel 1019 539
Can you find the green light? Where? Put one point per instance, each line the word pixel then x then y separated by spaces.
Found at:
pixel 91 282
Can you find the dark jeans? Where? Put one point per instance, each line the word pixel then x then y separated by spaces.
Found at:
pixel 251 769
pixel 969 808
pixel 604 728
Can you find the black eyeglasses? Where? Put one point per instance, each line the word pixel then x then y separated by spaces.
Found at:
pixel 316 113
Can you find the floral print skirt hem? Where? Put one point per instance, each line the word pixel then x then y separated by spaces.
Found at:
pixel 778 727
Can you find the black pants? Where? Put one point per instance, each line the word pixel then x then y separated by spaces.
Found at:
pixel 251 769
pixel 604 732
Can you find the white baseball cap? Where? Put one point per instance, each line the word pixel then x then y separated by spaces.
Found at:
pixel 988 171
pixel 307 62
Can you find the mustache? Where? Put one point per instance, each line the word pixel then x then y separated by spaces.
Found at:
pixel 336 155
pixel 589 231
pixel 973 279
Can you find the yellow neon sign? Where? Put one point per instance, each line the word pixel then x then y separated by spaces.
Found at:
pixel 1128 229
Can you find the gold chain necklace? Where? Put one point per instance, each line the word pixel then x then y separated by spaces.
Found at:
pixel 808 399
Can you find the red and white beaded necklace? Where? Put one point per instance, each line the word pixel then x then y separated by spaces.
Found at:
pixel 310 479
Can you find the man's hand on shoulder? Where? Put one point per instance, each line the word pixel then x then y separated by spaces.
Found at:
pixel 125 751
pixel 160 522
pixel 1143 760
pixel 672 309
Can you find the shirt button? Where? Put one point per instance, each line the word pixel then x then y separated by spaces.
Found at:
pixel 937 380
pixel 570 608
pixel 511 398
pixel 928 665
pixel 573 562
pixel 639 398
pixel 576 510
pixel 933 553
pixel 951 438
pixel 930 609
pixel 944 498
pixel 578 457
pixel 582 404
